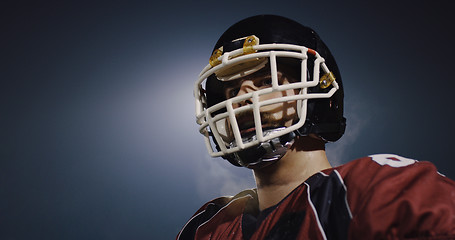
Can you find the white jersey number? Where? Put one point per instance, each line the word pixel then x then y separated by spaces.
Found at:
pixel 392 160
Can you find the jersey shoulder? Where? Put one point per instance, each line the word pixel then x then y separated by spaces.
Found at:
pixel 411 197
pixel 381 167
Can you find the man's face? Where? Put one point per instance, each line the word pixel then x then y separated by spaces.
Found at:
pixel 275 115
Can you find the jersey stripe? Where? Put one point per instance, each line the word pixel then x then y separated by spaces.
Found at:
pixel 345 195
pixel 328 199
pixel 321 229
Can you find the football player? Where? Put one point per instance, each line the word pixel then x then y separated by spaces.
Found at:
pixel 270 98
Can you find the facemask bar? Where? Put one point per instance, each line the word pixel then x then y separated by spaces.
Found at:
pixel 208 122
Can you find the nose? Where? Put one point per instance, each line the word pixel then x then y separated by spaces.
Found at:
pixel 246 86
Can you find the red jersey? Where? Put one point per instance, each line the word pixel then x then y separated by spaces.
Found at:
pixel 382 196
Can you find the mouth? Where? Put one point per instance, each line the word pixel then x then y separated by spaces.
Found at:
pixel 248 132
pixel 247 125
pixel 247 129
pixel 245 121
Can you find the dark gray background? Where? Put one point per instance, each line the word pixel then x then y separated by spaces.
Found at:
pixel 98 138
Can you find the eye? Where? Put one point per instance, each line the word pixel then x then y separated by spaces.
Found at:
pixel 266 82
pixel 232 92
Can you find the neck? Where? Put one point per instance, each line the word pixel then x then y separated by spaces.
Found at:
pixel 274 182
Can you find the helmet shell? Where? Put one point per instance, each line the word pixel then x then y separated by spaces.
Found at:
pixel 324 116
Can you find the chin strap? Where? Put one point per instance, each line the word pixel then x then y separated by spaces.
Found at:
pixel 273 150
pixel 263 154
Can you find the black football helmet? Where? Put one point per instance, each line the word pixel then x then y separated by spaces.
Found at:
pixel 278 48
